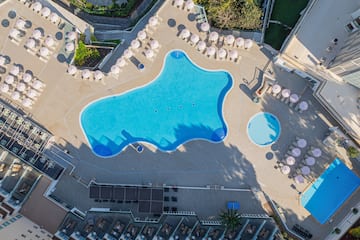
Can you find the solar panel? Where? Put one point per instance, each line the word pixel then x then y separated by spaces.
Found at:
pixel 157 194
pixel 145 193
pixel 94 192
pixel 106 192
pixel 118 193
pixel 131 194
pixel 156 207
pixel 144 206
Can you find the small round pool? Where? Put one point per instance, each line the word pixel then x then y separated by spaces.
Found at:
pixel 263 129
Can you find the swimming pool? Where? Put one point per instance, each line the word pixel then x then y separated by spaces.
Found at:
pixel 263 129
pixel 183 103
pixel 330 191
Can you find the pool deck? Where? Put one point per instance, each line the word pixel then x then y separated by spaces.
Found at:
pixel 236 162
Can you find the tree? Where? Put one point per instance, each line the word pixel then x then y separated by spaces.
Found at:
pixel 355 232
pixel 250 15
pixel 352 152
pixel 230 218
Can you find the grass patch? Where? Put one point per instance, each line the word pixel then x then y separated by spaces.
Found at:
pixel 288 11
pixel 275 35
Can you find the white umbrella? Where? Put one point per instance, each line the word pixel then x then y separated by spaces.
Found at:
pixel 210 51
pixel 301 143
pixel 153 21
pixel 115 69
pixel 49 41
pixel 290 160
pixel 135 44
pixel 127 53
pixel 179 3
pixel 141 35
pixel 213 36
pixel 294 98
pixel 299 179
pixel 2 60
pixel 149 53
pixel 27 102
pixel 120 62
pixel 37 6
pixel 71 70
pixel 276 88
pixel 310 161
pixel 303 106
pixel 233 54
pixel 9 79
pixel 86 73
pixel 240 42
pixel 285 169
pixel 285 93
pixel 30 43
pixel 98 75
pixel 21 87
pixel 15 95
pixel 45 11
pixel 154 44
pixel 32 93
pixel 44 51
pixel 229 39
pixel 305 170
pixel 189 5
pixel 72 36
pixel 201 45
pixel 69 47
pixel 248 43
pixel 185 33
pixel 36 34
pixel 27 77
pixel 194 38
pixel 296 152
pixel 4 88
pixel 221 53
pixel 37 84
pixel 20 23
pixel 316 152
pixel 14 33
pixel 15 70
pixel 54 17
pixel 205 27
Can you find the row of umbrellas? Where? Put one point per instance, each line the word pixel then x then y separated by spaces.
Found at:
pixel 21 86
pixel 154 44
pixel 305 170
pixel 309 161
pixel 293 97
pixel 296 152
pixel 86 73
pixel 45 12
pixel 189 4
pixel 20 89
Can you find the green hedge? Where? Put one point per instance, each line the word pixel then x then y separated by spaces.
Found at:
pixel 83 54
pixel 113 10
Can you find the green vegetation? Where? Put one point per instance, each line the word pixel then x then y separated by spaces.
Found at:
pixel 352 152
pixel 275 35
pixel 233 14
pixel 113 10
pixel 355 232
pixel 84 54
pixel 230 219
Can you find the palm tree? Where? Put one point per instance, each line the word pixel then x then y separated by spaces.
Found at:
pixel 230 218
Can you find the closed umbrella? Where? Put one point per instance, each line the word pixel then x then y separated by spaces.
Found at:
pixel 201 45
pixel 141 35
pixel 248 43
pixel 179 3
pixel 20 23
pixel 15 70
pixel 299 179
pixel 54 17
pixel 310 161
pixel 15 95
pixel 213 36
pixel 233 54
pixel 285 169
pixel 189 5
pixel 285 93
pixel 72 36
pixel 98 75
pixel 205 27
pixel 294 98
pixel 37 84
pixel 4 88
pixel 32 93
pixel 21 87
pixel 44 51
pixel 69 47
pixel 221 53
pixel 240 42
pixel 149 53
pixel 14 33
pixel 27 102
pixel 135 44
pixel 85 74
pixel 37 6
pixel 305 170
pixel 153 21
pixel 301 143
pixel 71 70
pixel 30 43
pixel 154 44
pixel 49 41
pixel 194 38
pixel 229 39
pixel 27 77
pixel 276 88
pixel 115 69
pixel 316 152
pixel 2 60
pixel 290 160
pixel 9 79
pixel 45 11
pixel 127 53
pixel 185 33
pixel 296 152
pixel 120 62
pixel 36 34
pixel 303 106
pixel 210 51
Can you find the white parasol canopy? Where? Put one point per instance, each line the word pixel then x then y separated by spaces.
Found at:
pixel 4 88
pixel 14 33
pixel 221 53
pixel 285 169
pixel 305 170
pixel 296 152
pixel 44 51
pixel 301 143
pixel 233 54
pixel 27 102
pixel 15 95
pixel 240 42
pixel 185 33
pixel 85 73
pixel 154 44
pixel 72 35
pixel 32 93
pixel 71 70
pixel 189 5
pixel 316 152
pixel 69 47
pixel 205 27
pixel 194 38
pixel 294 98
pixel 36 34
pixel 2 60
pixel 179 3
pixel 310 161
pixel 248 43
pixel 149 53
pixel 229 39
pixel 115 69
pixel 37 84
pixel 299 179
pixel 20 23
pixel 9 79
pixel 285 93
pixel 135 44
pixel 127 53
pixel 98 75
pixel 201 45
pixel 45 11
pixel 120 62
pixel 276 88
pixel 30 43
pixel 210 51
pixel 37 6
pixel 303 106
pixel 153 21
pixel 290 160
pixel 21 87
pixel 15 70
pixel 213 36
pixel 141 35
pixel 49 41
pixel 27 77
pixel 54 17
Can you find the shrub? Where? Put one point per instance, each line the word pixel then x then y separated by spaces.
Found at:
pixel 352 152
pixel 82 54
pixel 355 232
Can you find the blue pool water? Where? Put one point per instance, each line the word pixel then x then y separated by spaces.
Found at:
pixel 263 129
pixel 183 103
pixel 330 191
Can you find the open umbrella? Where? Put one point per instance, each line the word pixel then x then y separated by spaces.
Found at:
pixel 49 41
pixel 316 152
pixel 285 93
pixel 45 11
pixel 296 152
pixel 285 169
pixel 37 6
pixel 27 102
pixel 154 44
pixel 98 75
pixel 149 53
pixel 229 39
pixel 240 42
pixel 179 3
pixel 115 69
pixel 248 43
pixel 86 74
pixel 189 5
pixel 210 51
pixel 120 62
pixel 299 179
pixel 71 70
pixel 213 36
pixel 72 35
pixel 21 87
pixel 141 35
pixel 290 160
pixel 135 44
pixel 37 84
pixel 36 34
pixel 27 77
pixel 221 53
pixel 294 98
pixel 301 143
pixel 303 106
pixel 14 33
pixel 15 70
pixel 194 38
pixel 276 88
pixel 233 54
pixel 2 60
pixel 201 45
pixel 20 23
pixel 44 51
pixel 310 161
pixel 185 33
pixel 15 95
pixel 70 47
pixel 4 88
pixel 305 170
pixel 127 53
pixel 9 79
pixel 54 17
pixel 30 43
pixel 205 27
pixel 153 21
pixel 32 93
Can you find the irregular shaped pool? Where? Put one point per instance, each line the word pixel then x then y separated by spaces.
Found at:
pixel 183 103
pixel 263 129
